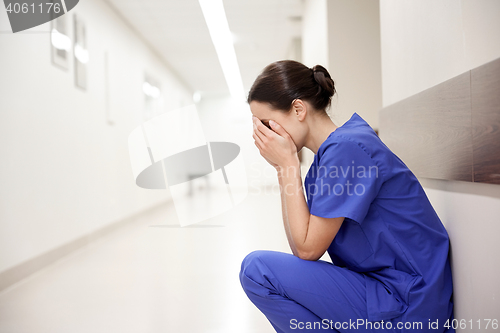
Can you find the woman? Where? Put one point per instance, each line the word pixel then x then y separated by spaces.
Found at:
pixel 390 252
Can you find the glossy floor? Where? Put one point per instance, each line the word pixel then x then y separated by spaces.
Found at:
pixel 153 276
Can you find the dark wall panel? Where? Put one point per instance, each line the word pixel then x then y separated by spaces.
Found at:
pixel 450 131
pixel 485 92
pixel 431 131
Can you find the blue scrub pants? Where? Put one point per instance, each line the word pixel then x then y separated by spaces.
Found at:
pixel 307 296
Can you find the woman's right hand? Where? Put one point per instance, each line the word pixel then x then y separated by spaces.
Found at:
pixel 275 144
pixel 268 161
pixel 274 165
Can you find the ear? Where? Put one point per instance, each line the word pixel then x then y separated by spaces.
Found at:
pixel 299 109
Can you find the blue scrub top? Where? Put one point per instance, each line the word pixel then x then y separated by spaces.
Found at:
pixel 390 233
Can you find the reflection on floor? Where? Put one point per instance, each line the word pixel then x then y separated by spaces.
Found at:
pixel 153 276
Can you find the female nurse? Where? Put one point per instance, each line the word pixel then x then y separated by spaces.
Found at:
pixel 390 269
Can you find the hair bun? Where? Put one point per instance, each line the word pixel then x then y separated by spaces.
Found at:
pixel 283 81
pixel 323 78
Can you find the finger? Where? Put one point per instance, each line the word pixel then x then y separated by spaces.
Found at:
pixel 257 145
pixel 262 128
pixel 263 138
pixel 278 129
pixel 258 134
pixel 255 121
pixel 260 149
pixel 258 141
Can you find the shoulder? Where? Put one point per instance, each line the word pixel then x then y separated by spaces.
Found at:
pixel 356 142
pixel 340 142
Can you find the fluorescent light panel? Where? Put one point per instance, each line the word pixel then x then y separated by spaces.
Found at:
pixel 215 16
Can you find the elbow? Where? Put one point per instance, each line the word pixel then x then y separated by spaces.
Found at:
pixel 308 255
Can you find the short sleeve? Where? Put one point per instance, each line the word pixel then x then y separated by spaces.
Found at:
pixel 347 182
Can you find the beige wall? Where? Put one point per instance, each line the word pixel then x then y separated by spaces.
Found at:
pixel 354 59
pixel 314 50
pixel 344 36
pixel 315 33
pixel 424 43
pixel 65 172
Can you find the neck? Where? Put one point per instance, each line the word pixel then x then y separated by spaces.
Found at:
pixel 320 129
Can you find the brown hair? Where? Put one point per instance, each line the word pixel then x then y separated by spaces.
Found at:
pixel 281 82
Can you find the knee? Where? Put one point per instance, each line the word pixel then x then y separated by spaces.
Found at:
pixel 250 263
pixel 252 267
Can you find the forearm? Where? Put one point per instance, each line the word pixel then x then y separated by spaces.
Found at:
pixel 294 207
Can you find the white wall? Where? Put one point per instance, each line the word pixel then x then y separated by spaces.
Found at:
pixel 314 52
pixel 425 43
pixel 65 172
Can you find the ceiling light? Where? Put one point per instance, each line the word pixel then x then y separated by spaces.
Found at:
pixel 81 54
pixel 215 16
pixel 60 41
pixel 150 90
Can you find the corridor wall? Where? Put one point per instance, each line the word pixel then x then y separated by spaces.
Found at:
pixel 65 170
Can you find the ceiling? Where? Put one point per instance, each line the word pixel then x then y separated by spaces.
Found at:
pixel 263 31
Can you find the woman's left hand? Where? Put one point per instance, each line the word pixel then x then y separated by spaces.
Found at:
pixel 275 145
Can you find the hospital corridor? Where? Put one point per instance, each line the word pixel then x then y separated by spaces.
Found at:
pixel 249 166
